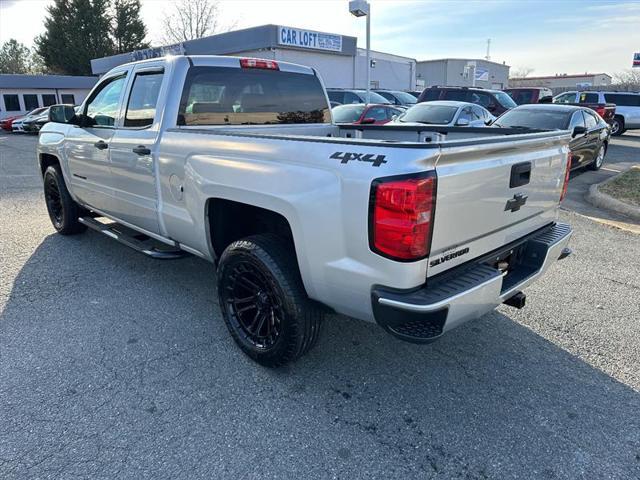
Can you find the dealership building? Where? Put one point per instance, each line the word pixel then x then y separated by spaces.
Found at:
pixel 562 82
pixel 19 94
pixel 336 57
pixel 460 72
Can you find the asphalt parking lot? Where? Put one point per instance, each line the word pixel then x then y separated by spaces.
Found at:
pixel 114 365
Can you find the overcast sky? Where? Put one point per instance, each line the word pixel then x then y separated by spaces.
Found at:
pixel 550 36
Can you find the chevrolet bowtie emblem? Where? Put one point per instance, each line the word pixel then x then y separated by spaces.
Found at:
pixel 516 202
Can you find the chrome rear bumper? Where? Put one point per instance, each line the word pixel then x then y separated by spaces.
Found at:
pixel 471 290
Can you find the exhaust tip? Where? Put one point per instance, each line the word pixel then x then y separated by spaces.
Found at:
pixel 518 300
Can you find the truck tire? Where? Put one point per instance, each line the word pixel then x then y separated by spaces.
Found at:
pixel 263 301
pixel 63 211
pixel 617 126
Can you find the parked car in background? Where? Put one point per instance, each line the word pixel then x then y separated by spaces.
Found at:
pixel 34 123
pixel 415 93
pixel 18 124
pixel 398 97
pixel 345 96
pixel 6 123
pixel 590 133
pixel 495 101
pixel 361 114
pixel 446 114
pixel 527 95
pixel 592 100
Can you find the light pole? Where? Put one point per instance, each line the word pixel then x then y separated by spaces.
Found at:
pixel 361 8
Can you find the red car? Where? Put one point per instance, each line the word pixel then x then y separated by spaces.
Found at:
pixel 6 123
pixel 361 114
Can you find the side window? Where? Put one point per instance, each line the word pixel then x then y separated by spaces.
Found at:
pixel 141 107
pixel 68 98
pixel 30 101
pixel 458 95
pixel 102 108
pixel 377 113
pixel 482 99
pixel 391 112
pixel 566 98
pixel 431 94
pixel 48 99
pixel 577 120
pixel 479 113
pixel 11 103
pixel 588 98
pixel 591 120
pixel 350 97
pixel 466 114
pixel 623 100
pixel 336 96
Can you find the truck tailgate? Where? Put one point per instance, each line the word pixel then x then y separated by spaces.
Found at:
pixel 491 194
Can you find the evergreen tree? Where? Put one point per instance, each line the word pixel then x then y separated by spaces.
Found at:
pixel 14 57
pixel 76 32
pixel 128 29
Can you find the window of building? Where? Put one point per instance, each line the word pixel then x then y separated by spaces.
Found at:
pixel 141 108
pixel 11 103
pixel 30 102
pixel 68 98
pixel 48 99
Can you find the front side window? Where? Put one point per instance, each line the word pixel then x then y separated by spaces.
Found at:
pixel 30 101
pixel 68 98
pixel 251 96
pixel 588 98
pixel 11 103
pixel 479 113
pixel 457 95
pixel 466 114
pixel 429 95
pixel 377 113
pixel 49 99
pixel 577 120
pixel 565 98
pixel 102 108
pixel 141 108
pixel 503 99
pixel 350 97
pixel 347 113
pixel 591 120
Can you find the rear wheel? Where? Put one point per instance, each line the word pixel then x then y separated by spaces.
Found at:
pixel 617 126
pixel 599 160
pixel 263 301
pixel 63 211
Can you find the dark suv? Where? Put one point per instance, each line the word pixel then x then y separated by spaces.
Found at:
pixel 495 101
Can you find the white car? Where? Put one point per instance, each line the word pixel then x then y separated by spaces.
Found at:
pixel 446 114
pixel 18 123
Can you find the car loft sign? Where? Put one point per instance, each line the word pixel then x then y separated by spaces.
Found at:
pixel 295 37
pixel 636 60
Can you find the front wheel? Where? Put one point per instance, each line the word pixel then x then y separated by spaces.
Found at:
pixel 599 160
pixel 63 211
pixel 263 301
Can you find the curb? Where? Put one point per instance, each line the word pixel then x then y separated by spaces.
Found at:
pixel 602 200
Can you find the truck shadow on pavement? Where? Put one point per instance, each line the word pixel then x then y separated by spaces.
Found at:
pixel 112 364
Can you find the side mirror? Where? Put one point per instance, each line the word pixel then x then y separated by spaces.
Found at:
pixel 395 117
pixel 578 130
pixel 462 122
pixel 62 114
pixel 488 122
pixel 368 121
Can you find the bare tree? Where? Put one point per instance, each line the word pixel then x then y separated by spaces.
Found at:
pixel 628 78
pixel 520 72
pixel 191 19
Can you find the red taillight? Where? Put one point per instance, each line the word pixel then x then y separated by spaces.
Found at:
pixel 259 63
pixel 402 217
pixel 566 176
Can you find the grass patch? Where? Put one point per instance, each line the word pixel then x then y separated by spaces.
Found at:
pixel 626 187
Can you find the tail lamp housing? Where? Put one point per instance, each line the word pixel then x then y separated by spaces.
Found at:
pixel 567 172
pixel 401 216
pixel 259 63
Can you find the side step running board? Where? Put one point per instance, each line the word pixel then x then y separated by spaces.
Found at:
pixel 138 241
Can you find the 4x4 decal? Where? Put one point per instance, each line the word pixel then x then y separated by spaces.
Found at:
pixel 346 157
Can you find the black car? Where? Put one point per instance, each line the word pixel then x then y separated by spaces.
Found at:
pixel 590 133
pixel 496 101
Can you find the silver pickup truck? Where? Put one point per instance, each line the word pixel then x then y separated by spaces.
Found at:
pixel 237 161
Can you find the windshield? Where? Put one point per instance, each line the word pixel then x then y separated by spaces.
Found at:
pixel 505 100
pixel 530 118
pixel 37 111
pixel 430 114
pixel 347 113
pixel 374 98
pixel 405 97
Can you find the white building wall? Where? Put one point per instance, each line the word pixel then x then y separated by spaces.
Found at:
pixel 336 70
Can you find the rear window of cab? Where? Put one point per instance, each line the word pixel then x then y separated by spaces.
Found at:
pixel 251 96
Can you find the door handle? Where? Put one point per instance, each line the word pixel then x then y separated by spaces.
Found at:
pixel 142 150
pixel 101 145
